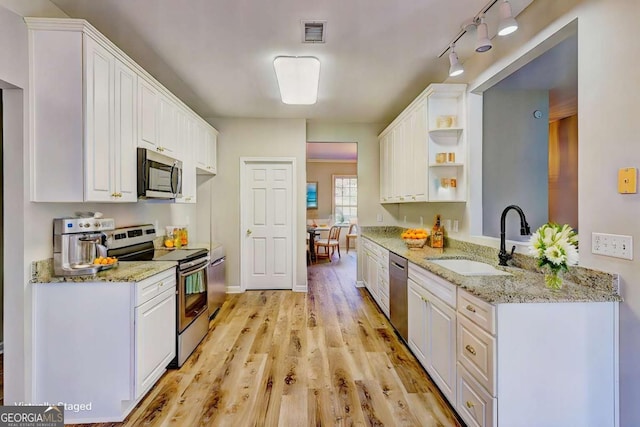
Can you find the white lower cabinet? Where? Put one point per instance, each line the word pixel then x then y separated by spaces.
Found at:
pixel 542 364
pixel 432 330
pixel 155 338
pixel 102 344
pixel 375 273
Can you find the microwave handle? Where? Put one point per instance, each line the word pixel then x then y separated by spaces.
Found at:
pixel 144 173
pixel 174 168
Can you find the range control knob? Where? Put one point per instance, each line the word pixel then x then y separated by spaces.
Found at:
pixel 87 225
pixel 97 224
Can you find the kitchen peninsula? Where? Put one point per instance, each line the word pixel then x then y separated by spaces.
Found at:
pixel 504 346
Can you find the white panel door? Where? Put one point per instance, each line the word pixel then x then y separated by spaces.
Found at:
pixel 267 225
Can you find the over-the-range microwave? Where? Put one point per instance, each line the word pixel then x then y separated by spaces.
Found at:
pixel 159 176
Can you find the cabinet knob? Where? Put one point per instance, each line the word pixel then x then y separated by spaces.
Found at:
pixel 470 349
pixel 161 284
pixel 401 198
pixel 413 197
pixel 424 299
pixel 469 404
pixel 470 308
pixel 249 232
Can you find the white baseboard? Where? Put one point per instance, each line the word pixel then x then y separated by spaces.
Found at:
pixel 234 289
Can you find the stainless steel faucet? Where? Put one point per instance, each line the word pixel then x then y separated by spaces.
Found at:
pixel 524 230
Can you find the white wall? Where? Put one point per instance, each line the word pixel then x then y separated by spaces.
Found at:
pixel 608 140
pixel 255 138
pixel 515 159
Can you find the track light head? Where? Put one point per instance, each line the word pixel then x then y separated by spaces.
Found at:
pixel 507 24
pixel 455 68
pixel 483 43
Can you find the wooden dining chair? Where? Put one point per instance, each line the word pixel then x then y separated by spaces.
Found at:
pixel 332 242
pixel 352 234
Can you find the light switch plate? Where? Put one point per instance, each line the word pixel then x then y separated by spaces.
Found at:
pixel 613 245
pixel 627 181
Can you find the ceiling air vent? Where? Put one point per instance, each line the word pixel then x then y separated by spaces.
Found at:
pixel 313 31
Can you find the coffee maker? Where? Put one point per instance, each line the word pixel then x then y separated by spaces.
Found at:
pixel 76 242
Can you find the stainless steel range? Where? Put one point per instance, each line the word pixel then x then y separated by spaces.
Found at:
pixel 136 244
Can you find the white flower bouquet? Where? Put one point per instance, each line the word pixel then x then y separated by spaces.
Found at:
pixel 555 246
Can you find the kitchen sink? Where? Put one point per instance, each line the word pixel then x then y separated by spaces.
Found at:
pixel 467 267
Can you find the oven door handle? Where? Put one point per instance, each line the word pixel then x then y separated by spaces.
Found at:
pixel 190 272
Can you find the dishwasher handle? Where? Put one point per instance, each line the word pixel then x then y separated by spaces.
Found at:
pixel 400 266
pixel 218 262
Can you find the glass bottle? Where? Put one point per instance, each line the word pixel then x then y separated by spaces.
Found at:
pixel 437 234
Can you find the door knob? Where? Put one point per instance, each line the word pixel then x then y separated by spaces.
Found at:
pixel 249 231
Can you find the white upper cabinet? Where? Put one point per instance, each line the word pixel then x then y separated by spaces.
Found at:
pixel 207 143
pixel 110 85
pixel 186 148
pixel 168 128
pixel 148 100
pixel 423 151
pixel 91 106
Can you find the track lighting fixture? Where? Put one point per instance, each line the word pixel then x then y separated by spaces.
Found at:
pixel 483 43
pixel 508 23
pixel 455 68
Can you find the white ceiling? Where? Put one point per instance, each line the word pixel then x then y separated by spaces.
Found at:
pixel 216 55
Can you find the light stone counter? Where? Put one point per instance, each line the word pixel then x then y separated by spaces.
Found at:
pixel 526 283
pixel 125 271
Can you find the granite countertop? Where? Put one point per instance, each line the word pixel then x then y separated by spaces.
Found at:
pixel 526 283
pixel 125 271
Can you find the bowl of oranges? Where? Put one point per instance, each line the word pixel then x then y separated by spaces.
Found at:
pixel 414 238
pixel 105 262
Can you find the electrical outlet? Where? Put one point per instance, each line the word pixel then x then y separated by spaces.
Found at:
pixel 455 225
pixel 379 217
pixel 613 245
pixel 447 225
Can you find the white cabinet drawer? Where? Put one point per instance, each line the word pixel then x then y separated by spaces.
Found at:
pixel 155 285
pixel 482 313
pixel 476 352
pixel 439 287
pixel 475 406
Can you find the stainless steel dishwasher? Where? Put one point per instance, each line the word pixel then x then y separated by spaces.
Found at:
pixel 398 272
pixel 216 282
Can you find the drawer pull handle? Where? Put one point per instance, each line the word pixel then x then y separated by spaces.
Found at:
pixel 470 404
pixel 161 284
pixel 470 308
pixel 470 349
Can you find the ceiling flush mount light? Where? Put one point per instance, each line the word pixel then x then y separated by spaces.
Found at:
pixel 483 43
pixel 508 23
pixel 455 68
pixel 298 78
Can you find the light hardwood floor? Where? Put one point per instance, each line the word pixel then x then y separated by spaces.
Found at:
pixel 277 358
